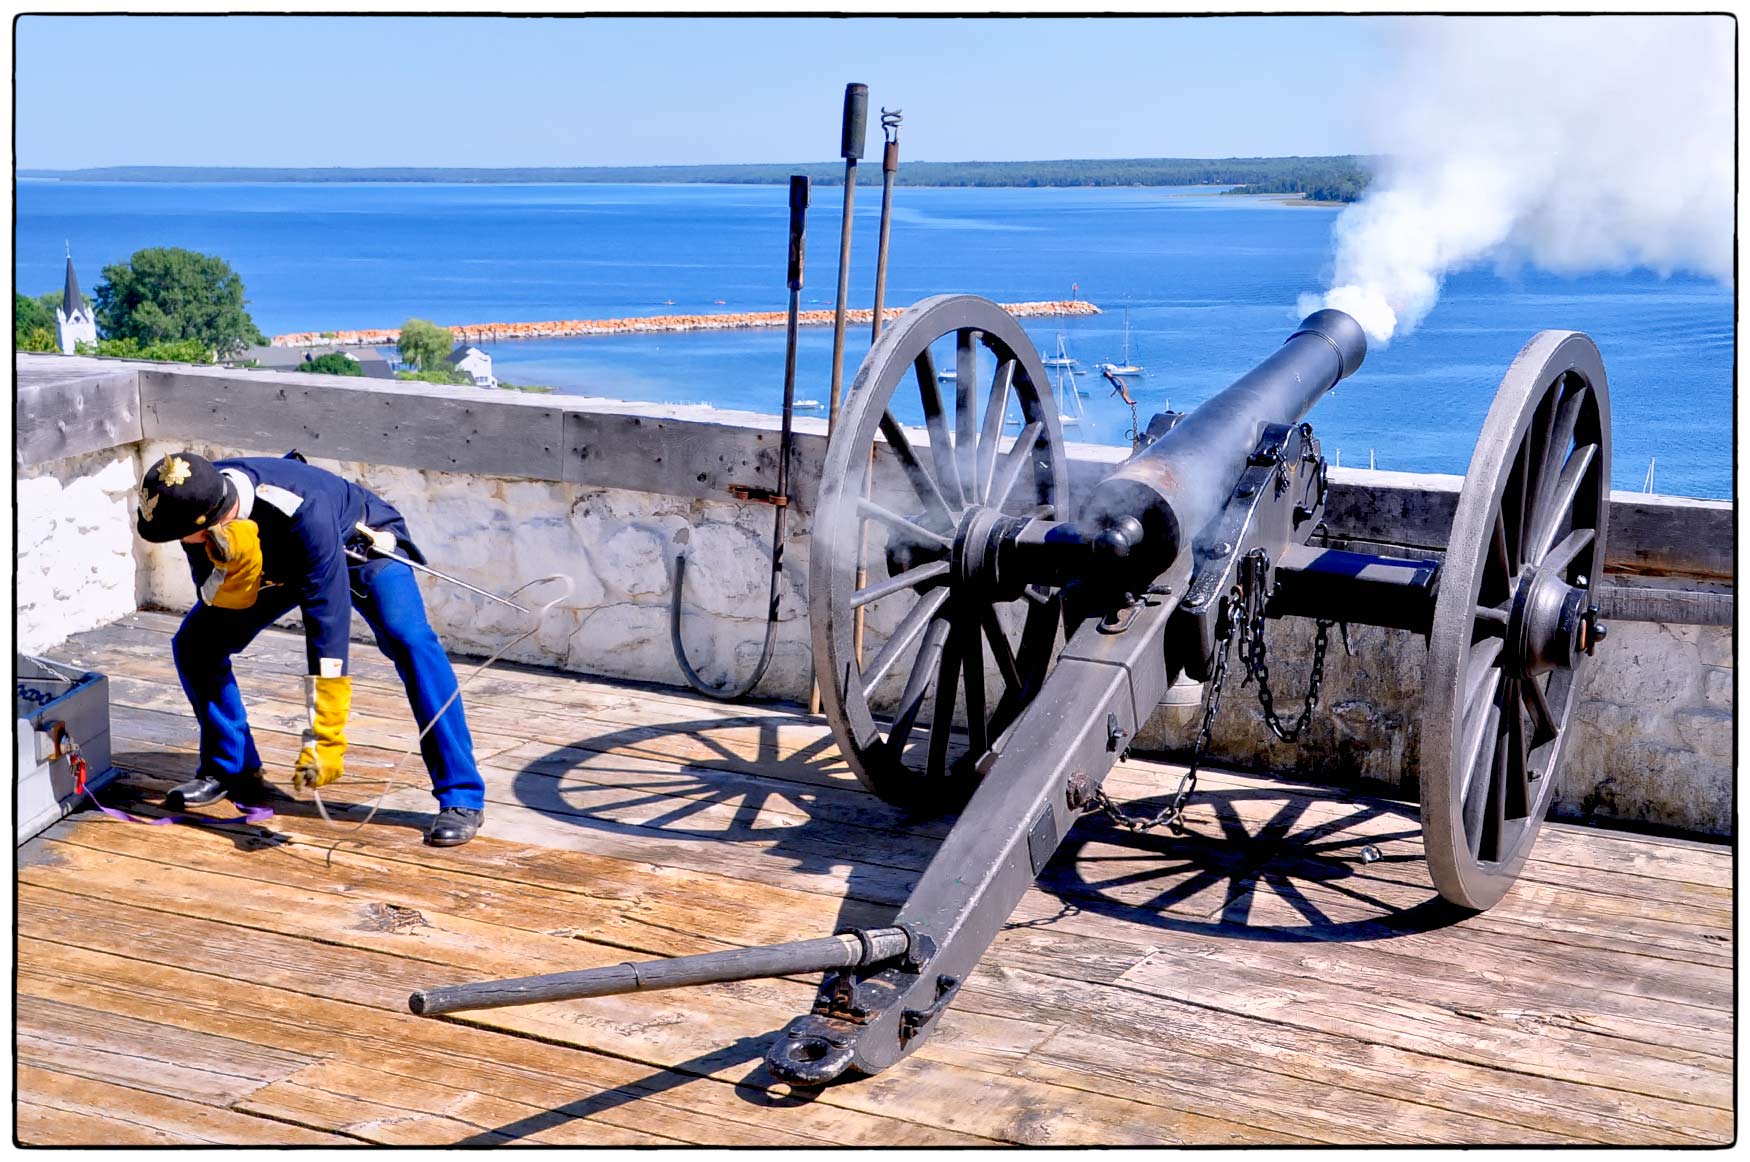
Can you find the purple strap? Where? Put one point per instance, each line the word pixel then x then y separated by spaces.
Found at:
pixel 250 815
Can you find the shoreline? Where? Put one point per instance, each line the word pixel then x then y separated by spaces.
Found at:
pixel 650 324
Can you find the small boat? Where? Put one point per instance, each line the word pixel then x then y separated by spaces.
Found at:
pixel 1126 367
pixel 806 403
pixel 1062 358
pixel 947 376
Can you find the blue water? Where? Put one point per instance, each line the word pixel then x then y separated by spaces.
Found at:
pixel 1208 284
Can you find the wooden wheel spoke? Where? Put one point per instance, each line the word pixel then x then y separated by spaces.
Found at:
pixel 941 445
pixel 917 684
pixel 999 647
pixel 1559 558
pixel 966 423
pixel 1478 669
pixel 1515 775
pixel 1494 614
pixel 1480 722
pixel 1494 822
pixel 1513 504
pixel 1564 419
pixel 909 579
pixel 1498 545
pixel 972 677
pixel 921 481
pixel 904 634
pixel 1537 446
pixel 942 713
pixel 1017 459
pixel 918 533
pixel 1560 502
pixel 992 433
pixel 1543 721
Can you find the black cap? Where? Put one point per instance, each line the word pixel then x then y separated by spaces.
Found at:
pixel 182 494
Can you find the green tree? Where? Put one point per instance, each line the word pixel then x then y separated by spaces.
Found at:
pixel 33 326
pixel 167 293
pixel 333 363
pixel 425 344
pixel 438 375
pixel 169 350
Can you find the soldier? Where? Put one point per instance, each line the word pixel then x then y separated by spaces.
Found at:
pixel 264 536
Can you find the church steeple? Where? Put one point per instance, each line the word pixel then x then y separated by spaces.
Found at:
pixel 71 299
pixel 73 321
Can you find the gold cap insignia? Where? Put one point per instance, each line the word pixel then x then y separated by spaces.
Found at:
pixel 147 506
pixel 174 471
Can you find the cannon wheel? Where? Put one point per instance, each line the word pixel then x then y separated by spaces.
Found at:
pixel 1535 501
pixel 971 470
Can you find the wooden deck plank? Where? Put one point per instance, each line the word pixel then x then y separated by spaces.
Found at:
pixel 586 1085
pixel 1251 982
pixel 97 1112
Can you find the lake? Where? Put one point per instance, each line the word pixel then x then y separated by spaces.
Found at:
pixel 1206 282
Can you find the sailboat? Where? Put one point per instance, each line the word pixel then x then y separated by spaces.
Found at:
pixel 1126 367
pixel 1062 358
pixel 1066 378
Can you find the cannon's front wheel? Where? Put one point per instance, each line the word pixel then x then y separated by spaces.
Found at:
pixel 995 447
pixel 1515 619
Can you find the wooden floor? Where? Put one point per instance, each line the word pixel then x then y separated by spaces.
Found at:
pixel 1250 983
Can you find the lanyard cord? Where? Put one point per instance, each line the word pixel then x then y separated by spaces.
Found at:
pixel 391 782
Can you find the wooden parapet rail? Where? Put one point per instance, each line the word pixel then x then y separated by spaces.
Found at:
pixel 729 321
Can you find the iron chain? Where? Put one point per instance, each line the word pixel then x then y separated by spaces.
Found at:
pixel 1172 815
pixel 1254 652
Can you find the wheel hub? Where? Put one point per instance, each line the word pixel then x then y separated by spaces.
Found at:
pixel 1552 624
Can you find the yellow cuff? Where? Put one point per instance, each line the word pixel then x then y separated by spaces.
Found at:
pixel 236 579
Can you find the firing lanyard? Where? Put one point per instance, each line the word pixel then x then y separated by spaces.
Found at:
pixel 67 747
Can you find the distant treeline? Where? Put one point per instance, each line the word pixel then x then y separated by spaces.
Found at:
pixel 1323 179
pixel 1330 176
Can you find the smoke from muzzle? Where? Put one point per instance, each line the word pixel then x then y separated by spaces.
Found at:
pixel 1571 143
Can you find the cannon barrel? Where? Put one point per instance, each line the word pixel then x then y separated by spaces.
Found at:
pixel 845 950
pixel 1176 487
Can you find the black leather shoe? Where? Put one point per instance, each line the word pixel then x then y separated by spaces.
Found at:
pixel 454 826
pixel 246 789
pixel 197 792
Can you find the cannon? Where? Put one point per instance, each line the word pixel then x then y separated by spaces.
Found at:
pixel 1032 640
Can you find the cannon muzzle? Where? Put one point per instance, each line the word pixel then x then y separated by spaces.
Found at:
pixel 854 948
pixel 1177 486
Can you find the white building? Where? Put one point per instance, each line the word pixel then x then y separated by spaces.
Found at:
pixel 475 362
pixel 73 321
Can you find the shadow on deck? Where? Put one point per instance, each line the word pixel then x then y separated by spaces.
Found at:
pixel 1250 982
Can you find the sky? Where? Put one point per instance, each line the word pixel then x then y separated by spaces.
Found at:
pixel 496 91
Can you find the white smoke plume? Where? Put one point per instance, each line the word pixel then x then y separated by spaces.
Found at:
pixel 1574 143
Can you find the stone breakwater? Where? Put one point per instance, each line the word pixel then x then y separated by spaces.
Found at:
pixel 730 321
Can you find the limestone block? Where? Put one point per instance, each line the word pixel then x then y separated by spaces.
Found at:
pixel 1713 644
pixel 623 641
pixel 633 560
pixel 1705 730
pixel 1717 687
pixel 728 572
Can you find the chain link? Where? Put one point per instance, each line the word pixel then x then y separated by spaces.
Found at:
pixel 1255 653
pixel 1172 815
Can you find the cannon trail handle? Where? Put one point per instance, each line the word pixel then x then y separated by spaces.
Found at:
pixel 854 948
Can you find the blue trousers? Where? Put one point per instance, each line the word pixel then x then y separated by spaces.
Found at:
pixel 385 594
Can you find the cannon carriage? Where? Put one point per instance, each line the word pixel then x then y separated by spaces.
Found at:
pixel 1024 641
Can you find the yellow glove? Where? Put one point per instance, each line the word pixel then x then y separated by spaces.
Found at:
pixel 234 548
pixel 319 762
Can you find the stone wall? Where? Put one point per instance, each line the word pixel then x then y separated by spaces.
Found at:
pixel 75 558
pixel 1653 740
pixel 615 544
